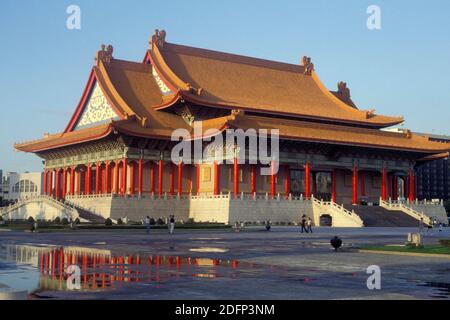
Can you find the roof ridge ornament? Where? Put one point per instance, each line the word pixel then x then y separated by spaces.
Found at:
pixel 343 90
pixel 236 113
pixel 408 133
pixel 104 54
pixel 158 38
pixel 370 113
pixel 309 66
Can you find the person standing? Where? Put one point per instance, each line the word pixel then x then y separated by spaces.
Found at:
pixel 303 223
pixel 421 226
pixel 147 224
pixel 171 224
pixel 309 225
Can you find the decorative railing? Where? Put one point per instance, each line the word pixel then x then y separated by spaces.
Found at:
pixel 338 208
pixel 44 198
pixel 167 196
pixel 402 206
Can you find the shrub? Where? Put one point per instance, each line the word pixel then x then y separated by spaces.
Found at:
pixel 445 242
pixel 57 220
pixel 190 220
pixel 108 222
pixel 152 222
pixel 64 221
pixel 30 219
pixel 1 218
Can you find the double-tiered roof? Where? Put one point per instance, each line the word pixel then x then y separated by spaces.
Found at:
pixel 268 94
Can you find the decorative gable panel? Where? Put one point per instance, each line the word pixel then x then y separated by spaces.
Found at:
pixel 97 110
pixel 165 90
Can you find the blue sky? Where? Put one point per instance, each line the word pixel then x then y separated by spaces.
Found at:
pixel 402 69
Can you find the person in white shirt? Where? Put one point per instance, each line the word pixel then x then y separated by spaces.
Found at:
pixel 147 224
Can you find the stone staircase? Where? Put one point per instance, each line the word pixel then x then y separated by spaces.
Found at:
pixel 376 216
pixel 85 214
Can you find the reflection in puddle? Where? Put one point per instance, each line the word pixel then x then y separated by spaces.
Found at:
pixel 441 289
pixel 104 270
pixel 207 249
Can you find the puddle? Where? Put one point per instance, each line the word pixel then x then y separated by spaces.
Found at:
pixel 441 290
pixel 207 249
pixel 41 269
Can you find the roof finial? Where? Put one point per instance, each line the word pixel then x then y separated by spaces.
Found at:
pixel 105 54
pixel 158 38
pixel 343 90
pixel 309 66
pixel 370 113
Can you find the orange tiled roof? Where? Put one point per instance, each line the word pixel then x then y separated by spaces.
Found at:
pixel 234 81
pixel 131 88
pixel 338 134
pixel 65 139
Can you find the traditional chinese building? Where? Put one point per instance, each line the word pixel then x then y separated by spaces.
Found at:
pixel 113 157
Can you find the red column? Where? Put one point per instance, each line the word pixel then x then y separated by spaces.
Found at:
pixel 50 183
pixel 355 185
pixel 253 179
pixel 180 177
pixel 307 180
pixel 216 178
pixel 124 176
pixel 287 182
pixel 152 177
pixel 384 184
pixel 172 179
pixel 97 178
pixel 132 175
pixel 78 191
pixel 89 178
pixel 64 183
pixel 72 181
pixel 363 184
pixel 197 180
pixel 389 186
pixel 189 178
pixel 236 177
pixel 57 185
pixel 140 175
pixel 333 185
pixel 273 186
pixel 107 178
pixel 160 177
pixel 412 185
pixel 116 178
pixel 44 189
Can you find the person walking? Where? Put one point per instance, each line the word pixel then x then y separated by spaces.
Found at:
pixel 303 223
pixel 309 225
pixel 171 224
pixel 421 225
pixel 147 224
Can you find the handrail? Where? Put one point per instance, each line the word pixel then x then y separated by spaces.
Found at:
pixel 339 208
pixel 22 202
pixel 400 205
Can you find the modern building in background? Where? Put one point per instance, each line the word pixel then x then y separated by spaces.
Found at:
pixel 17 186
pixel 433 178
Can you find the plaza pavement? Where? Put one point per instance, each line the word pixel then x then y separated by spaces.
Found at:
pixel 280 264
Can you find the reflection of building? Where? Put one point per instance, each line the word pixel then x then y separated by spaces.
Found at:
pixel 119 139
pixel 433 178
pixel 22 185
